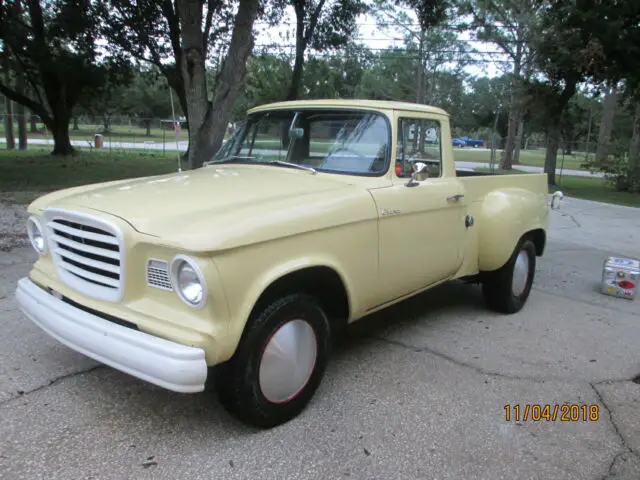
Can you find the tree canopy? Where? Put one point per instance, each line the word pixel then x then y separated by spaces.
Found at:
pixel 553 65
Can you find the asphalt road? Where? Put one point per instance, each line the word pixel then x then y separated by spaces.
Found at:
pixel 417 391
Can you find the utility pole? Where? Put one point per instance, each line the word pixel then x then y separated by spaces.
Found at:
pixel 492 160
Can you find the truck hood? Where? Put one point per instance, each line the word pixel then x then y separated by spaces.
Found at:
pixel 173 206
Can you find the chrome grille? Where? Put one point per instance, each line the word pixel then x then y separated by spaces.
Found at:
pixel 158 274
pixel 87 254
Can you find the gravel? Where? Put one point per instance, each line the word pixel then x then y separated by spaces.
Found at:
pixel 13 220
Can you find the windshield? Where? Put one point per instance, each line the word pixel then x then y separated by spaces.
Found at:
pixel 335 141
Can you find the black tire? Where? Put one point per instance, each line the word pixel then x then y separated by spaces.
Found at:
pixel 497 286
pixel 238 383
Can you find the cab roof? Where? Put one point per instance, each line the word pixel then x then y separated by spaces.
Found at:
pixel 351 103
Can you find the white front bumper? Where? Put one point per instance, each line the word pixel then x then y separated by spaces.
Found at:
pixel 167 364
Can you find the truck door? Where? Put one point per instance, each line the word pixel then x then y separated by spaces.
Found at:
pixel 422 229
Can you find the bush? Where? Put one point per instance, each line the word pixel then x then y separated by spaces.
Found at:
pixel 617 172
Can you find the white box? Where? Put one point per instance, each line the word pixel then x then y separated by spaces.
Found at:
pixel 620 277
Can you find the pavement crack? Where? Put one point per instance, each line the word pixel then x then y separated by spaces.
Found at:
pixel 627 450
pixel 50 383
pixel 572 218
pixel 457 362
pixel 611 420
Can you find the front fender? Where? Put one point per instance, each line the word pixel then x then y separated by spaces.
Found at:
pixel 350 251
pixel 505 216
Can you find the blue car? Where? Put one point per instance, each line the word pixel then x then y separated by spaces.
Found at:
pixel 467 142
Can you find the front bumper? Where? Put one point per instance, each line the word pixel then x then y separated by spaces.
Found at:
pixel 167 364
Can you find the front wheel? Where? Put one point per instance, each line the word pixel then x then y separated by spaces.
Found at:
pixel 507 289
pixel 279 363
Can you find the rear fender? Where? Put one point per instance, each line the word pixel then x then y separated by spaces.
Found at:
pixel 506 215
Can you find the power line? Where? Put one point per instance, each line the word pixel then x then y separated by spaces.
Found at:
pixel 415 58
pixel 399 51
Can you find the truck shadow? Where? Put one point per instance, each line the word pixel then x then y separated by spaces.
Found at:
pixel 126 402
pixel 453 298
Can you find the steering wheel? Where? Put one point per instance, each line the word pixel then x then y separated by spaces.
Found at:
pixel 346 149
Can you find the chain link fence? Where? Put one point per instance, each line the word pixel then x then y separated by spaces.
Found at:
pixel 160 136
pixel 116 132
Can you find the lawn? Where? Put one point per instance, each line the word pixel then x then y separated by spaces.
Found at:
pixel 25 175
pixel 595 189
pixel 534 158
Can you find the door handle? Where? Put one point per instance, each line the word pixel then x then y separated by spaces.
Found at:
pixel 456 197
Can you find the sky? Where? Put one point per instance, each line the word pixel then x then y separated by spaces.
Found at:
pixel 373 37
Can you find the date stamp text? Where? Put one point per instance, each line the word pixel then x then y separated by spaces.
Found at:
pixel 536 412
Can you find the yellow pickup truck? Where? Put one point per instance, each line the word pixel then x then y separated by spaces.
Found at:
pixel 312 216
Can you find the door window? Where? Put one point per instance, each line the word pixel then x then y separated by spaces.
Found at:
pixel 419 140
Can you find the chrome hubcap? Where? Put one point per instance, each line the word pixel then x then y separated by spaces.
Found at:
pixel 288 361
pixel 520 273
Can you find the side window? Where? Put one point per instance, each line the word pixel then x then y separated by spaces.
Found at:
pixel 419 140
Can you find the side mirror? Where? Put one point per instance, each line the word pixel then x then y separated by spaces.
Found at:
pixel 418 168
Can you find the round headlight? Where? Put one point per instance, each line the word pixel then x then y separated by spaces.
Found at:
pixel 188 282
pixel 34 230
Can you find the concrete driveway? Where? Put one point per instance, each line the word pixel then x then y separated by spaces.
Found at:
pixel 418 391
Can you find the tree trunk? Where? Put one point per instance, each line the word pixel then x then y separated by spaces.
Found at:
pixel 514 110
pixel 208 120
pixel 194 75
pixel 420 86
pixel 302 41
pixel 61 139
pixel 8 124
pixel 551 155
pixel 554 130
pixel 506 162
pixel 8 119
pixel 518 141
pixel 296 76
pixel 606 125
pixel 568 147
pixel 634 153
pixel 22 127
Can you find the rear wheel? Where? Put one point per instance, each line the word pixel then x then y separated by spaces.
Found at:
pixel 279 363
pixel 507 289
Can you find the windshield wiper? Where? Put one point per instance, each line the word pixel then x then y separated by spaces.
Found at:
pixel 251 160
pixel 231 159
pixel 295 165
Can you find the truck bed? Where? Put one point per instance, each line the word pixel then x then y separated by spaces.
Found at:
pixel 478 184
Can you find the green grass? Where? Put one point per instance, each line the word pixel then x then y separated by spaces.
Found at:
pixel 533 158
pixel 25 175
pixel 596 189
pixel 499 171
